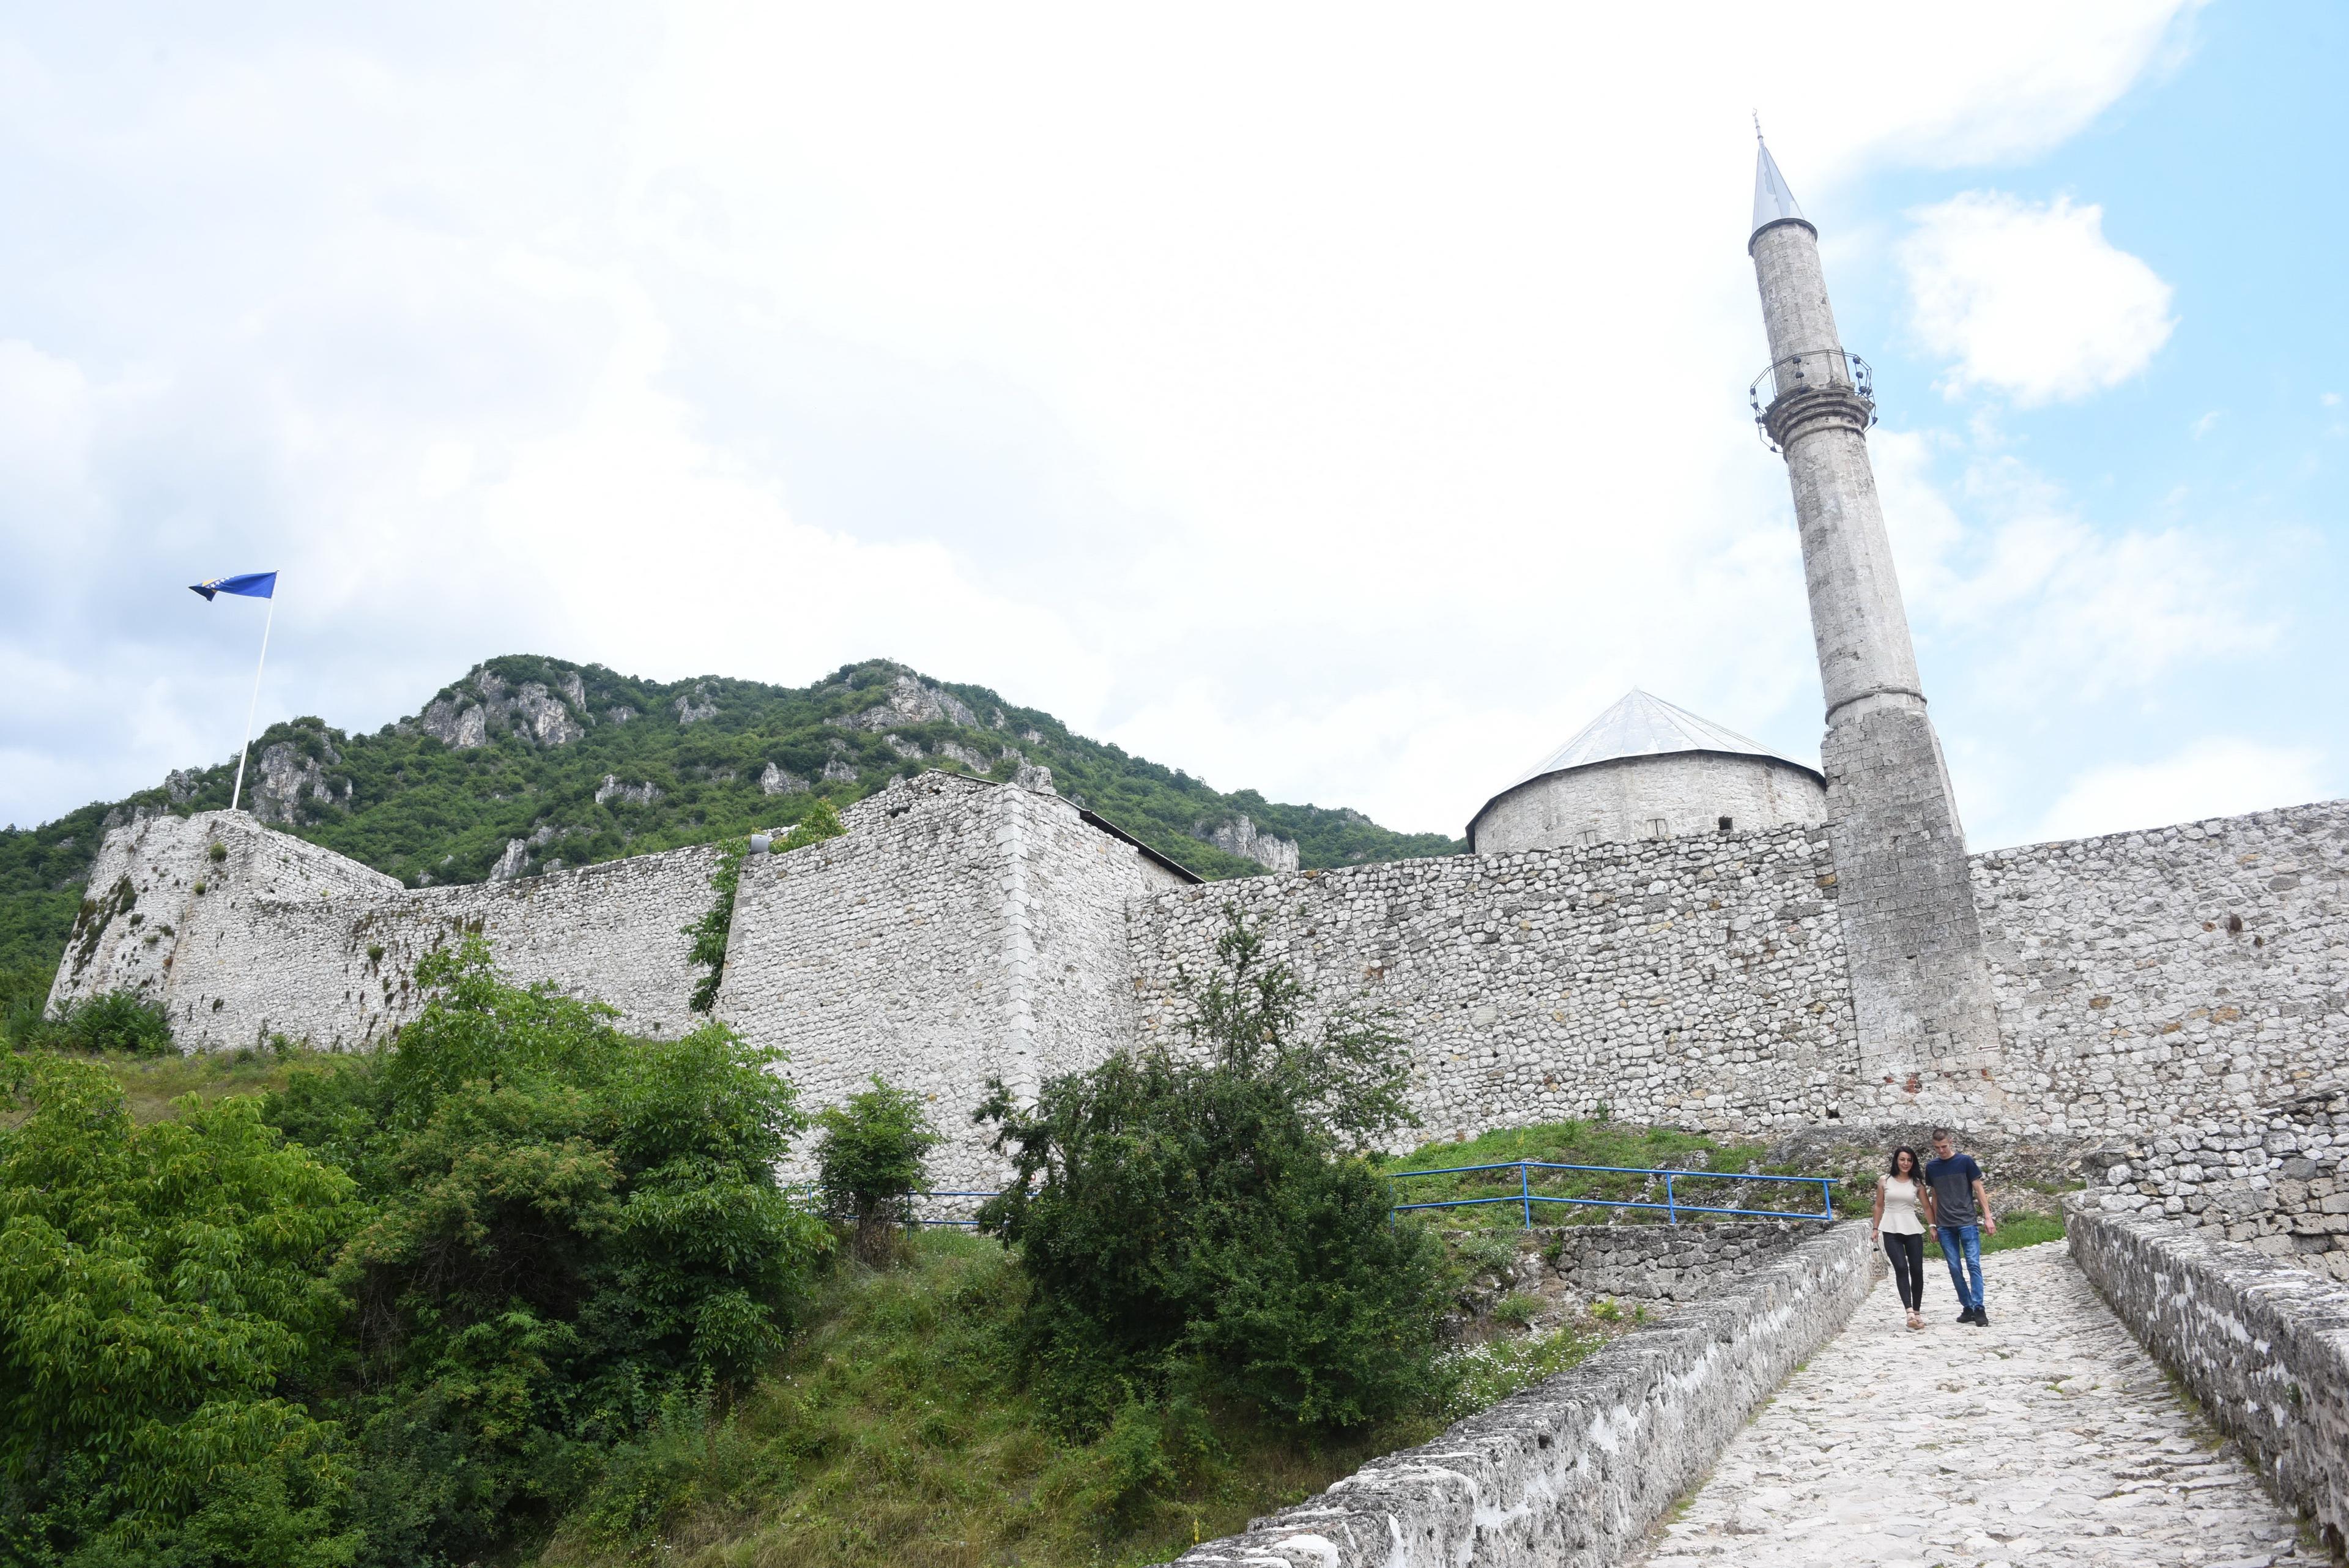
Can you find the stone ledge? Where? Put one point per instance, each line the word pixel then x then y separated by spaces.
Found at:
pixel 2263 1345
pixel 1572 1473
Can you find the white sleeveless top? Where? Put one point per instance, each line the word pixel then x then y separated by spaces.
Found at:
pixel 1900 1208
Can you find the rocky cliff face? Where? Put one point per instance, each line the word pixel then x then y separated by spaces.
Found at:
pixel 910 702
pixel 1240 836
pixel 483 704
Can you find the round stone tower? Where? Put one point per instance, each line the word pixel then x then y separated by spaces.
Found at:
pixel 1646 769
pixel 1920 984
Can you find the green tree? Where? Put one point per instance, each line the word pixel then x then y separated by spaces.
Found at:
pixel 1206 1216
pixel 163 1307
pixel 869 1162
pixel 570 1228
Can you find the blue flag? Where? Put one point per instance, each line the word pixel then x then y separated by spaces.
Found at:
pixel 251 584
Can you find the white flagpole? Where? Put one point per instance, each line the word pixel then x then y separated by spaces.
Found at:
pixel 238 794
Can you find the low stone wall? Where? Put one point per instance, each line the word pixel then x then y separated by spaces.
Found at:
pixel 1643 1262
pixel 2263 1345
pixel 2278 1181
pixel 1572 1473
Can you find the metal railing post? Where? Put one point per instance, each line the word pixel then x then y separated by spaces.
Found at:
pixel 1525 1189
pixel 1671 1208
pixel 1827 1200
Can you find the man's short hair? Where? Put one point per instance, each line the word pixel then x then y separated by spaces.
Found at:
pixel 1941 1133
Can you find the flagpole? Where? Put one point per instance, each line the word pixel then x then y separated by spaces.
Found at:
pixel 238 794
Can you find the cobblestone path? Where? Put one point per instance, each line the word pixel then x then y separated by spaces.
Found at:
pixel 2049 1437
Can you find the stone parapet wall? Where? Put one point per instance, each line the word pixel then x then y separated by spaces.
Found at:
pixel 2278 1183
pixel 1695 981
pixel 1573 1472
pixel 2263 1345
pixel 2147 980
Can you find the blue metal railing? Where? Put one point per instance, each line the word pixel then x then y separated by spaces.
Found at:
pixel 1671 1208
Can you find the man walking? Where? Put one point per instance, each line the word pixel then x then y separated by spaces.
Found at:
pixel 1958 1211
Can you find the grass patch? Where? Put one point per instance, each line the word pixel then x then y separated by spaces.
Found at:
pixel 1711 1166
pixel 896 1432
pixel 2014 1230
pixel 149 1084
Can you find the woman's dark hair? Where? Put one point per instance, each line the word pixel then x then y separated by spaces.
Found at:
pixel 1916 1165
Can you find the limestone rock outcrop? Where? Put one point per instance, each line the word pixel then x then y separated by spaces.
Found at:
pixel 483 704
pixel 909 702
pixel 775 780
pixel 1241 837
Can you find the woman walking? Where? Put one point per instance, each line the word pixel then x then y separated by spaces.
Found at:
pixel 1902 1229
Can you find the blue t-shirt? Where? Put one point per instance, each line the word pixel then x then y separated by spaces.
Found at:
pixel 1953 1181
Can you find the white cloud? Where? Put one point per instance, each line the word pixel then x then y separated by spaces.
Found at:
pixel 2029 299
pixel 1249 386
pixel 2042 599
pixel 2217 776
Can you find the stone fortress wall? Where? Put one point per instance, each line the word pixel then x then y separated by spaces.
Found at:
pixel 964 931
pixel 276 936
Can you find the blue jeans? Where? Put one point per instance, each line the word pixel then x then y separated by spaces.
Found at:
pixel 1961 1250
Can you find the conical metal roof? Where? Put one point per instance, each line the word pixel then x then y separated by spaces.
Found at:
pixel 1773 202
pixel 1644 726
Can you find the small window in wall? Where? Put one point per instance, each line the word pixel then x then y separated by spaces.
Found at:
pixel 1726 825
pixel 1659 828
pixel 1588 835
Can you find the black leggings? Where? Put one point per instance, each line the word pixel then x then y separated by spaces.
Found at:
pixel 1908 1255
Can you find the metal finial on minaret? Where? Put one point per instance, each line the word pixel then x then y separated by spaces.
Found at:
pixel 1920 984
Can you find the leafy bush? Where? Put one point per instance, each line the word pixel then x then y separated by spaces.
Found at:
pixel 108 1021
pixel 164 1307
pixel 1207 1219
pixel 1517 1308
pixel 869 1161
pixel 572 1229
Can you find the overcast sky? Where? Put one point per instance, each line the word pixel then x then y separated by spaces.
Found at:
pixel 1347 403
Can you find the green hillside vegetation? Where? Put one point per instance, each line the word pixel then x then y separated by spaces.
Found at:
pixel 686 760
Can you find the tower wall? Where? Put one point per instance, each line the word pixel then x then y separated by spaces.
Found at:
pixel 1921 985
pixel 1688 791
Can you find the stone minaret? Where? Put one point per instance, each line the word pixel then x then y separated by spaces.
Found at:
pixel 1921 985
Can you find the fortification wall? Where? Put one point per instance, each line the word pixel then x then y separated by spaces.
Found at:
pixel 959 931
pixel 281 937
pixel 1695 981
pixel 2145 980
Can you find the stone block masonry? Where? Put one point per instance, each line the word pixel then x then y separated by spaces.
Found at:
pixel 959 931
pixel 1570 1474
pixel 1698 981
pixel 2146 984
pixel 277 937
pixel 2264 1347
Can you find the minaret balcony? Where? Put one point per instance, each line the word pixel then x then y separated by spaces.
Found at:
pixel 1823 385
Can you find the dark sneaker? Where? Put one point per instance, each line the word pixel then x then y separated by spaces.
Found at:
pixel 1965 1315
pixel 1981 1318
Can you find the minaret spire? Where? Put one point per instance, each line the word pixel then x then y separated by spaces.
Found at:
pixel 1920 982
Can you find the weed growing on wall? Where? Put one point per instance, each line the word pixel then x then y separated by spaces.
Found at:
pixel 711 933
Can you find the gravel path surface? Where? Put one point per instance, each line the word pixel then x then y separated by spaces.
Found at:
pixel 2049 1437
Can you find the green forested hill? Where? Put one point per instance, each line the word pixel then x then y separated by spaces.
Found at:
pixel 581 764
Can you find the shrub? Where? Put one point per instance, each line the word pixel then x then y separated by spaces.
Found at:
pixel 869 1162
pixel 1209 1218
pixel 1517 1308
pixel 108 1021
pixel 572 1231
pixel 219 852
pixel 163 1308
